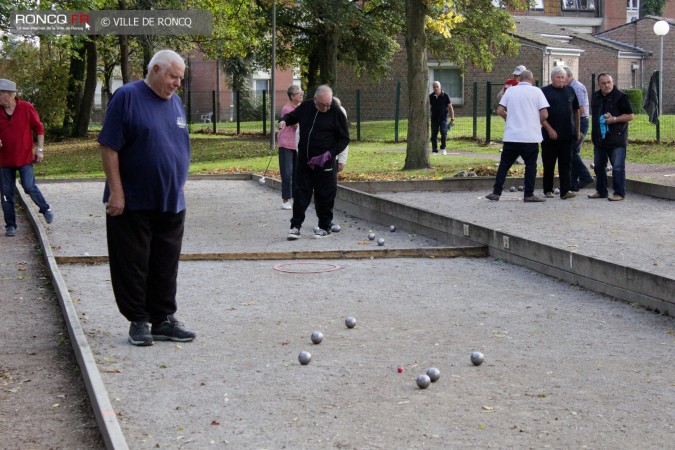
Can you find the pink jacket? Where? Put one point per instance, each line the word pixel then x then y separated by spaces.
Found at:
pixel 286 137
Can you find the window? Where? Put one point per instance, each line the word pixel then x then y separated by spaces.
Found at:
pixel 633 5
pixel 259 86
pixel 537 4
pixel 578 5
pixel 451 81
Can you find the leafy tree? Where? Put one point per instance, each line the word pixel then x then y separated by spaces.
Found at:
pixel 652 7
pixel 467 31
pixel 40 73
pixel 315 34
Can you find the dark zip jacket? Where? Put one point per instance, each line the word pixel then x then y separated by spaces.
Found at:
pixel 616 103
pixel 319 131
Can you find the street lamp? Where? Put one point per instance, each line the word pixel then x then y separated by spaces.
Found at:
pixel 273 83
pixel 661 28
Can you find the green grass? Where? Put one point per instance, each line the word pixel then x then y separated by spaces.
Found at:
pixel 217 154
pixel 384 130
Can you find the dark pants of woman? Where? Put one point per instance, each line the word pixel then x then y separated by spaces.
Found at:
pixel 287 168
pixel 144 248
pixel 560 151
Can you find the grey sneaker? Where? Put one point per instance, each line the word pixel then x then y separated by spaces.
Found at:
pixel 10 231
pixel 493 197
pixel 139 334
pixel 293 234
pixel 172 330
pixel 533 199
pixel 320 233
pixel 49 215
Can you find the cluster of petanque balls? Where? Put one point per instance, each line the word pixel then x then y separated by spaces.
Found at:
pixel 433 374
pixel 317 337
pixel 423 381
pixel 380 241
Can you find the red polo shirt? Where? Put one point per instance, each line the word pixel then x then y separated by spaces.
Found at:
pixel 16 136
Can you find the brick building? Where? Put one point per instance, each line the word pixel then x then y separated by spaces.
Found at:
pixel 640 33
pixel 206 77
pixel 630 52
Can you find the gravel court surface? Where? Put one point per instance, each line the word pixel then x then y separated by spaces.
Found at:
pixel 222 217
pixel 565 367
pixel 43 400
pixel 638 232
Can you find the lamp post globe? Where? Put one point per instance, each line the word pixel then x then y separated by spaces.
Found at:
pixel 661 28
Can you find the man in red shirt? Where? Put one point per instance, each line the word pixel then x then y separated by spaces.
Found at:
pixel 18 122
pixel 513 81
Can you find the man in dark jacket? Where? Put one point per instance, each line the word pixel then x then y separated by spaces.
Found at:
pixel 323 135
pixel 560 131
pixel 611 112
pixel 440 106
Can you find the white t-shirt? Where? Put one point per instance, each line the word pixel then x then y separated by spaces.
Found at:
pixel 342 156
pixel 523 103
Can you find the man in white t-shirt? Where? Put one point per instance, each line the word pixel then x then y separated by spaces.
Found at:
pixel 523 107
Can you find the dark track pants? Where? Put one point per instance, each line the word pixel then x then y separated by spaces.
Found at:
pixel 144 249
pixel 322 182
pixel 560 151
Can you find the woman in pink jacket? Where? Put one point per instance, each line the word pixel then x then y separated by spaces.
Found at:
pixel 288 148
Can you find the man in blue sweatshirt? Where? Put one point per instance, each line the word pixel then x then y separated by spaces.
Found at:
pixel 323 135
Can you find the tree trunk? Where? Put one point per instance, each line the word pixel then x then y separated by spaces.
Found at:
pixel 81 125
pixel 125 65
pixel 417 155
pixel 75 78
pixel 328 47
pixel 312 73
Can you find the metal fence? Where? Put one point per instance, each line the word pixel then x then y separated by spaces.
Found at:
pixel 377 116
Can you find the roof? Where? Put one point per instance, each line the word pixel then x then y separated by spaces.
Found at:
pixel 543 33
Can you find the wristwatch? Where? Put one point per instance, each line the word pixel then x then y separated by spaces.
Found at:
pixel 40 150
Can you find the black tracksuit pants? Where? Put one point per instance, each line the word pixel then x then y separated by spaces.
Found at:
pixel 322 182
pixel 144 249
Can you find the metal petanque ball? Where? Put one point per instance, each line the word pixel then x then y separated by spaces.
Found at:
pixel 557 191
pixel 392 228
pixel 317 337
pixel 304 358
pixel 433 373
pixel 380 242
pixel 520 188
pixel 423 381
pixel 335 228
pixel 371 236
pixel 512 189
pixel 261 180
pixel 477 358
pixel 592 166
pixel 350 322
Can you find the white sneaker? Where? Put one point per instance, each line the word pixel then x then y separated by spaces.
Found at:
pixel 286 205
pixel 443 152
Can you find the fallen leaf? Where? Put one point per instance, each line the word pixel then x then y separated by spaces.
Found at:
pixel 215 422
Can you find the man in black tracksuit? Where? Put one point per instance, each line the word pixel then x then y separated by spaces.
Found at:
pixel 323 135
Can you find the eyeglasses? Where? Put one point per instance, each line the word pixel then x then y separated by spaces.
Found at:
pixel 298 93
pixel 322 105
